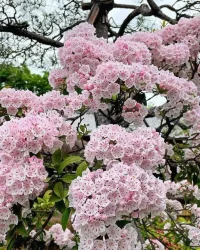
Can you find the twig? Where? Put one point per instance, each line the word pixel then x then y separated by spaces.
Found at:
pixel 40 230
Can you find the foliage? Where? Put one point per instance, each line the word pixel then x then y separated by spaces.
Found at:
pixel 21 78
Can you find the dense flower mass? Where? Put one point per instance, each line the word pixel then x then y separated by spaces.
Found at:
pixel 12 100
pixel 121 185
pixel 21 174
pixel 129 52
pixel 33 133
pixel 118 239
pixel 102 197
pixel 185 27
pixel 6 219
pixel 62 238
pixel 173 55
pixel 143 146
pixel 104 71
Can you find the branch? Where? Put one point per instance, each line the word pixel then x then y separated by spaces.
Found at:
pixel 157 12
pixel 71 26
pixel 142 9
pixel 41 229
pixel 31 35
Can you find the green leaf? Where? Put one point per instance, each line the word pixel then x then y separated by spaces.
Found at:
pixel 68 178
pixel 57 157
pixel 10 237
pixel 68 161
pixel 47 195
pixel 21 229
pixel 82 128
pixel 61 206
pixel 65 218
pixel 54 198
pixel 40 200
pixel 59 189
pixel 10 244
pixel 81 168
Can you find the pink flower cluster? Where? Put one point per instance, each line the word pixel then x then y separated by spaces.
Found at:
pixel 119 239
pixel 134 112
pixel 111 76
pixel 182 188
pixel 103 70
pixel 176 33
pixel 179 92
pixel 6 219
pixel 172 55
pixel 80 56
pixel 102 197
pixel 22 175
pixel 143 146
pixel 12 100
pixel 83 30
pixel 194 236
pixel 152 40
pixel 130 52
pixel 186 31
pixel 60 237
pixel 33 133
pixel 156 243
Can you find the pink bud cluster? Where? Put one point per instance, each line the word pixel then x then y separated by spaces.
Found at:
pixel 144 146
pixel 102 197
pixel 63 238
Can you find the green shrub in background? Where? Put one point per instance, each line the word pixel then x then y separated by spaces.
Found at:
pixel 21 78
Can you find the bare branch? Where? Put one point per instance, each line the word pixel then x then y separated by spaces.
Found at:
pixel 157 12
pixel 33 36
pixel 143 9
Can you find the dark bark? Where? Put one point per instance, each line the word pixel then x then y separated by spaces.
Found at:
pixel 31 35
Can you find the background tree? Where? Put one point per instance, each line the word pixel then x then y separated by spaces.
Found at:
pixel 21 78
pixel 31 29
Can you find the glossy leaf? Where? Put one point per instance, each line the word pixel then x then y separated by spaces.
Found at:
pixel 65 218
pixel 68 178
pixel 59 189
pixel 57 157
pixel 68 161
pixel 81 168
